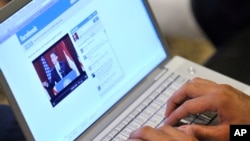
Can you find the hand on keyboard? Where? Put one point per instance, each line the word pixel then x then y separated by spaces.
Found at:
pixel 187 112
pixel 200 95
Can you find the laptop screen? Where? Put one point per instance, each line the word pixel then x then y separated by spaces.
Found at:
pixel 68 61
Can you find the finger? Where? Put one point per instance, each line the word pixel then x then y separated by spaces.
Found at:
pixel 219 132
pixel 192 106
pixel 149 134
pixel 173 133
pixel 169 130
pixel 142 133
pixel 195 88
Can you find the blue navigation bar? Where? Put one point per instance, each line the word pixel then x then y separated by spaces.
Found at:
pixel 43 20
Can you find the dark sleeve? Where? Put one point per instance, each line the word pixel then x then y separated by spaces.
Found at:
pixel 9 128
pixel 221 19
pixel 65 68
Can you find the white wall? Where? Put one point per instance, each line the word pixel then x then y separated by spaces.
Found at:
pixel 175 18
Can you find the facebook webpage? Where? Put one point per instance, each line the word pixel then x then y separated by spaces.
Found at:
pixel 71 63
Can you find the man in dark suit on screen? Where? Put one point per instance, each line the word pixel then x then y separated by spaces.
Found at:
pixel 60 70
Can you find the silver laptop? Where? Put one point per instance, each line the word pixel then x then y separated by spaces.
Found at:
pixel 90 69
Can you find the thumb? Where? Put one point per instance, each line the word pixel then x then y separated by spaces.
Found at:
pixel 207 133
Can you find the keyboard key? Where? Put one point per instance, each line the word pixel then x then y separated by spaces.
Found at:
pixel 120 137
pixel 134 125
pixel 126 132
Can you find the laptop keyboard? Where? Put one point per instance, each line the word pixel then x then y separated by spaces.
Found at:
pixel 151 111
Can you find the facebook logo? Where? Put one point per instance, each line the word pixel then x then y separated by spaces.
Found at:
pixel 239 132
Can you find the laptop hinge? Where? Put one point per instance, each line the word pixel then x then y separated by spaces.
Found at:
pixel 161 73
